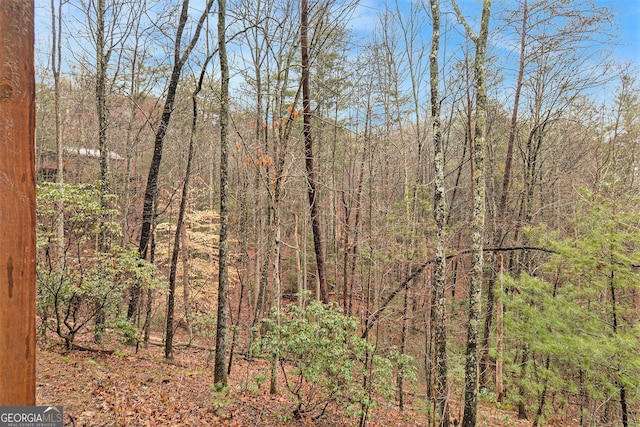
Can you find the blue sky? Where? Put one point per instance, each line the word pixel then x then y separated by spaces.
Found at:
pixel 628 14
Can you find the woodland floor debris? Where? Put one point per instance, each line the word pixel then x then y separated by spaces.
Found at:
pixel 129 389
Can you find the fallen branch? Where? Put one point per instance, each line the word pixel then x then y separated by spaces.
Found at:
pixel 93 350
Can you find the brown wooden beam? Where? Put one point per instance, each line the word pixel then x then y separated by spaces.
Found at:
pixel 17 204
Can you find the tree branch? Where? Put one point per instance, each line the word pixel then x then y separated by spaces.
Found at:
pixel 405 284
pixel 463 21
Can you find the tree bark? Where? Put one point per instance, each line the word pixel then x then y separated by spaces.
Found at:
pixel 186 288
pixel 220 371
pixel 56 59
pixel 17 204
pixel 475 296
pixel 439 321
pixel 102 60
pixel 499 342
pixel 308 150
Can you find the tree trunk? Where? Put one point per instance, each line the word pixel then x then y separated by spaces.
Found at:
pixel 439 277
pixel 502 206
pixel 499 342
pixel 152 260
pixel 18 202
pixel 56 59
pixel 181 231
pixel 471 366
pixel 220 371
pixel 522 408
pixel 614 325
pixel 186 289
pixel 308 150
pixel 102 60
pixel 402 349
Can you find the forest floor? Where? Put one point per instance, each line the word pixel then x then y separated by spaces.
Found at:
pixel 125 388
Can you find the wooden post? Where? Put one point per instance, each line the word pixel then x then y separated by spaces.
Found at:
pixel 17 205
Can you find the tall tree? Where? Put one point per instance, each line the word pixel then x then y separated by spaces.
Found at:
pixel 180 57
pixel 17 205
pixel 102 60
pixel 498 236
pixel 479 209
pixel 439 321
pixel 308 151
pixel 220 367
pixel 180 235
pixel 56 59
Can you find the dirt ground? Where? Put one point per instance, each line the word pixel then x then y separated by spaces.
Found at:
pixel 125 388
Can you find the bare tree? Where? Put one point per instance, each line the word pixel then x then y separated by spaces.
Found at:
pixel 308 151
pixel 56 60
pixel 440 263
pixel 220 367
pixel 479 142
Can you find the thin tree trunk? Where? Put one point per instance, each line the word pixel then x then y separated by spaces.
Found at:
pixel 234 336
pixel 168 352
pixel 499 342
pixel 181 229
pixel 614 324
pixel 56 59
pixel 102 60
pixel 277 285
pixel 471 366
pixel 308 149
pixel 152 260
pixel 220 372
pixel 186 288
pixel 439 277
pixel 502 207
pixel 543 397
pixel 402 349
pixel 299 279
pixel 522 408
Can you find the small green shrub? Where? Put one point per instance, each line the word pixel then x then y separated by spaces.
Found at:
pixel 324 361
pixel 83 277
